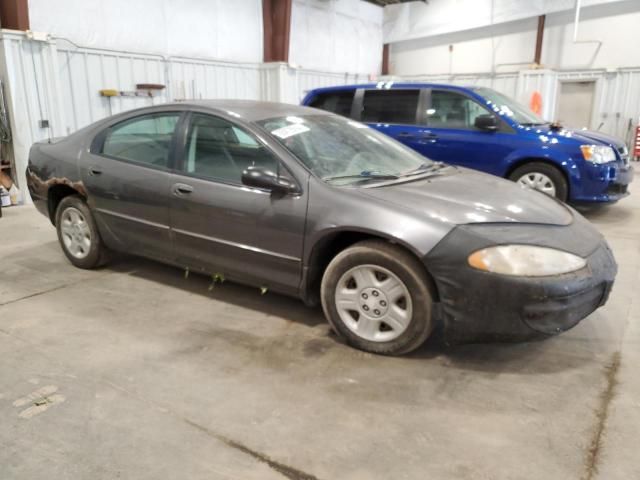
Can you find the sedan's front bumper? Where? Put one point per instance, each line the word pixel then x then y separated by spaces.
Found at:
pixel 478 306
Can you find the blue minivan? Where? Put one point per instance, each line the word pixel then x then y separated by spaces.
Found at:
pixel 477 127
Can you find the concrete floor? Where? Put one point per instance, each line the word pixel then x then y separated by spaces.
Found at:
pixel 135 372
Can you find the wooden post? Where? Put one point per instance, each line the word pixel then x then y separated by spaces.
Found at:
pixel 539 38
pixel 14 14
pixel 276 19
pixel 385 59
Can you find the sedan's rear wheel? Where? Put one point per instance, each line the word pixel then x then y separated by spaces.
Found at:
pixel 78 234
pixel 377 296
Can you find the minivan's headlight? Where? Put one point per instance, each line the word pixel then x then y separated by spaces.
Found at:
pixel 525 260
pixel 598 153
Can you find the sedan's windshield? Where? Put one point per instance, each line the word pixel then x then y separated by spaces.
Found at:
pixel 510 108
pixel 342 151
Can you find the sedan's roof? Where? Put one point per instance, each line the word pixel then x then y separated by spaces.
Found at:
pixel 253 110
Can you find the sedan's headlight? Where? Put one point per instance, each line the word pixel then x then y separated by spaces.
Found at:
pixel 525 260
pixel 598 153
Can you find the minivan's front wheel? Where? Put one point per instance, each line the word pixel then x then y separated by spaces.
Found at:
pixel 542 177
pixel 376 295
pixel 78 234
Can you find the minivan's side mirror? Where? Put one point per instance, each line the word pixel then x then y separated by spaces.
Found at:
pixel 486 122
pixel 261 177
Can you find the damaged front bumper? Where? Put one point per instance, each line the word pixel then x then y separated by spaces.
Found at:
pixel 479 306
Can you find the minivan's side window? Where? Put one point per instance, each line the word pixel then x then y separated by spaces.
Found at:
pixel 453 110
pixel 145 139
pixel 220 150
pixel 335 102
pixel 390 106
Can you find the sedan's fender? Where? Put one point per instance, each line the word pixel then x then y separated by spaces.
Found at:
pixel 351 216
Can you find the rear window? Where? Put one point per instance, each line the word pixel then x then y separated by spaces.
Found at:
pixel 335 102
pixel 390 106
pixel 145 139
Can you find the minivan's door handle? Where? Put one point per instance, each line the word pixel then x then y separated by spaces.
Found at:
pixel 406 135
pixel 95 171
pixel 417 136
pixel 182 189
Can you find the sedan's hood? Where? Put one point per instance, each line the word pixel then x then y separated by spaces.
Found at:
pixel 460 196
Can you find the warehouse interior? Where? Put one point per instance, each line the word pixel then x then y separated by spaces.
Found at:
pixel 141 370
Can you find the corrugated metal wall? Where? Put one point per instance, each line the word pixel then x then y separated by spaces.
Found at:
pixel 83 72
pixel 506 83
pixel 60 83
pixel 616 102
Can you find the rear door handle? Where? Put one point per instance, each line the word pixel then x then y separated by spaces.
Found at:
pixel 182 189
pixel 95 171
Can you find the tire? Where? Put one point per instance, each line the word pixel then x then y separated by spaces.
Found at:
pixel 355 275
pixel 526 175
pixel 78 234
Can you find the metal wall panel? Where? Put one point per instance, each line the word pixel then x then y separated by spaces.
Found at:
pixel 617 96
pixel 506 83
pixel 45 81
pixel 198 79
pixel 60 83
pixel 84 72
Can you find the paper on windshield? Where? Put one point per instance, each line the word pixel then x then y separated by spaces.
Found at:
pixel 290 130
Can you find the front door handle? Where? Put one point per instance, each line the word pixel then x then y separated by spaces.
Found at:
pixel 95 171
pixel 406 135
pixel 417 135
pixel 182 189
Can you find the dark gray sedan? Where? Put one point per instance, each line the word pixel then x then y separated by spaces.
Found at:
pixel 317 206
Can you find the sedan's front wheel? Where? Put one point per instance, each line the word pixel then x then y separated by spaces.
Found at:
pixel 376 295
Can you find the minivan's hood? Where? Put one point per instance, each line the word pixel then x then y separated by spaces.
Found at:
pixel 586 136
pixel 460 196
pixel 599 137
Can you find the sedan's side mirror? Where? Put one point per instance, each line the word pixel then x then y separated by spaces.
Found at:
pixel 261 177
pixel 486 122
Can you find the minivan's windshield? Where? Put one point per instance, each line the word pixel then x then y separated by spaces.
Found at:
pixel 342 151
pixel 510 108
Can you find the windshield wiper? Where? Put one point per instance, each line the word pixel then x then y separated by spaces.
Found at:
pixel 364 176
pixel 533 124
pixel 424 168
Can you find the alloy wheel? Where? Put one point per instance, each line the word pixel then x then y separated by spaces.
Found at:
pixel 538 181
pixel 373 303
pixel 76 234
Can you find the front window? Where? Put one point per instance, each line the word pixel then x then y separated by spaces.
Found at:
pixel 509 108
pixel 453 110
pixel 342 151
pixel 220 150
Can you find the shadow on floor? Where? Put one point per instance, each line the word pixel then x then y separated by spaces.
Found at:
pixel 605 214
pixel 548 356
pixel 270 303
